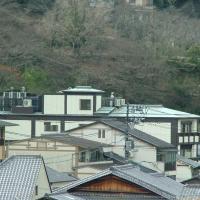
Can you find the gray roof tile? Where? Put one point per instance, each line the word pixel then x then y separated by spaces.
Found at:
pixel 56 177
pixel 188 161
pixel 155 182
pixel 18 175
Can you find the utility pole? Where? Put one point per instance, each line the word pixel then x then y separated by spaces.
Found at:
pixel 127 131
pixel 136 110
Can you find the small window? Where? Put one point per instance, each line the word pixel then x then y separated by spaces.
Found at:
pixel 48 127
pixel 186 127
pixel 36 190
pixel 85 104
pixel 103 133
pixel 99 133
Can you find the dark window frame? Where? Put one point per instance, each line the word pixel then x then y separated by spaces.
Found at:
pixel 85 104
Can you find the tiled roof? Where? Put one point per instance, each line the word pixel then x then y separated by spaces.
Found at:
pixel 190 192
pixel 187 161
pixel 18 175
pixel 153 111
pixel 114 196
pixel 84 143
pixel 65 196
pixel 56 177
pixel 155 182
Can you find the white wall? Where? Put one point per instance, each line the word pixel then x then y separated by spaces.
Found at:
pixel 42 183
pixel 142 151
pixel 39 127
pixel 22 131
pixel 161 130
pixel 183 172
pixel 61 159
pixel 54 104
pixel 74 124
pixel 98 102
pixel 73 105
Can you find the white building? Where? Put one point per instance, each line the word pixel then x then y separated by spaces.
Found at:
pixel 143 148
pixel 81 105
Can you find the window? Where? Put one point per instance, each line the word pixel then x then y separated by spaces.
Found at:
pixel 48 127
pixel 1 133
pixel 132 1
pixel 198 150
pixel 169 159
pixel 186 127
pixel 36 190
pixel 101 133
pixel 85 104
pixel 186 151
pixel 82 157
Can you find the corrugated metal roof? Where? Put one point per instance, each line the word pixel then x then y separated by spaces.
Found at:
pixel 18 175
pixel 4 123
pixel 157 183
pixel 84 143
pixel 56 177
pixel 153 111
pixel 188 161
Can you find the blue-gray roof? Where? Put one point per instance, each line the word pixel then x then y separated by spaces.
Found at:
pixel 187 161
pixel 18 176
pixel 57 177
pixel 153 111
pixel 155 182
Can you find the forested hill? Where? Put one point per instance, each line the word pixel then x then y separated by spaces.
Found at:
pixel 147 55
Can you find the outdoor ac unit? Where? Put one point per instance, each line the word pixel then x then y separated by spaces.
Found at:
pixel 27 103
pixel 123 102
pixel 117 102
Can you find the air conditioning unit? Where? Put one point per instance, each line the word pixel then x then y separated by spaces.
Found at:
pixel 27 103
pixel 123 102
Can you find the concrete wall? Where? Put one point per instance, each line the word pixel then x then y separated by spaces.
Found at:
pixel 54 104
pixel 161 130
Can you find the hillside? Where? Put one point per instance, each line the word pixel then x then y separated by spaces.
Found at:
pixel 50 45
